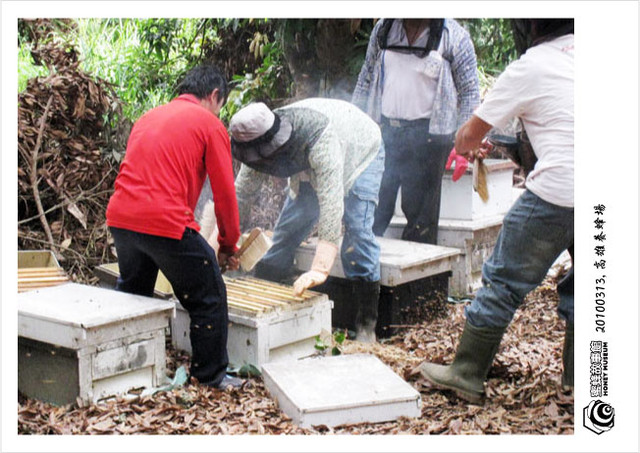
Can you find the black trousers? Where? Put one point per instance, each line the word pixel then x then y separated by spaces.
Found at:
pixel 191 267
pixel 414 163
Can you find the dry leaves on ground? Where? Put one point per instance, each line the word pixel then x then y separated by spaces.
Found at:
pixel 524 395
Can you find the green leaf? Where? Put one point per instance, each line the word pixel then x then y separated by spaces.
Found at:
pixel 320 345
pixel 249 370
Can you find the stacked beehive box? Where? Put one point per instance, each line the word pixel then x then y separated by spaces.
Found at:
pixel 467 223
pixel 77 341
pixel 411 275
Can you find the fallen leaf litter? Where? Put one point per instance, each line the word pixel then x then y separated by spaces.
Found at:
pixel 524 395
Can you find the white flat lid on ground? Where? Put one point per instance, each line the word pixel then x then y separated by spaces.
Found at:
pixel 353 388
pixel 86 306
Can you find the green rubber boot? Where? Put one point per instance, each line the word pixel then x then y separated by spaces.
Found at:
pixel 567 358
pixel 466 375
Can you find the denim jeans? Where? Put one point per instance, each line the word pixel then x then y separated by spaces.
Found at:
pixel 191 267
pixel 415 162
pixel 534 233
pixel 360 251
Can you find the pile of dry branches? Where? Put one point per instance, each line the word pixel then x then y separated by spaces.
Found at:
pixel 64 177
pixel 524 395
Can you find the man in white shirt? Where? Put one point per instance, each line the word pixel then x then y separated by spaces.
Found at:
pixel 537 88
pixel 419 82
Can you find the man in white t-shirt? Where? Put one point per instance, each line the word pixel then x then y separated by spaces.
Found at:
pixel 537 88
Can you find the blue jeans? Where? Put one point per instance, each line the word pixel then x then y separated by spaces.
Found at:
pixel 415 162
pixel 360 251
pixel 534 233
pixel 191 267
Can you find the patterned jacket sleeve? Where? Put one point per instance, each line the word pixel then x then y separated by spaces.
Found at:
pixel 361 93
pixel 464 68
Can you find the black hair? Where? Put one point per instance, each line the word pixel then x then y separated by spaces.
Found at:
pixel 543 30
pixel 202 80
pixel 531 32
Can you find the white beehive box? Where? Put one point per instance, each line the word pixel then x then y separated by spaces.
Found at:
pixel 78 341
pixel 266 322
pixel 340 390
pixel 476 240
pixel 460 202
pixel 400 261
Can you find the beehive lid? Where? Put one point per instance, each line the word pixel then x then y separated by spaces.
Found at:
pixel 332 391
pixel 80 307
pixel 400 261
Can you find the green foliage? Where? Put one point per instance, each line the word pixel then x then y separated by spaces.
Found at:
pixel 27 69
pixel 262 84
pixel 145 58
pixel 246 370
pixel 493 42
pixel 334 342
pixel 139 56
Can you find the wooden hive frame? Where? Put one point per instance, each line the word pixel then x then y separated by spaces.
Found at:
pixel 258 297
pixel 40 277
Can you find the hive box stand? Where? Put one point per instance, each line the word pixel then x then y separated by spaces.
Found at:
pixel 338 390
pixel 411 275
pixel 78 341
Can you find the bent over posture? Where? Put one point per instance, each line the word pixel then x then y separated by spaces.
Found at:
pixel 332 153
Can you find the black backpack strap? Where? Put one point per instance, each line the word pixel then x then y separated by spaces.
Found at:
pixel 383 32
pixel 435 36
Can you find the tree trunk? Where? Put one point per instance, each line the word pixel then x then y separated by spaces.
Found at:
pixel 318 52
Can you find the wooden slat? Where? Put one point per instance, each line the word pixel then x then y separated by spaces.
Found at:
pixel 261 301
pixel 287 290
pixel 243 305
pixel 40 269
pixel 256 300
pixel 271 289
pixel 43 272
pixel 262 294
pixel 22 287
pixel 43 279
pixel 40 277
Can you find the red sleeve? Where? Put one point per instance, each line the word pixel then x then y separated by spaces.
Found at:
pixel 220 170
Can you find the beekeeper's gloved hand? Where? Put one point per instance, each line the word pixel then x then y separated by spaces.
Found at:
pixel 461 164
pixel 322 262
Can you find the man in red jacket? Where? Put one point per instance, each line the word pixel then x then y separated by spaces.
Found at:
pixel 171 150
